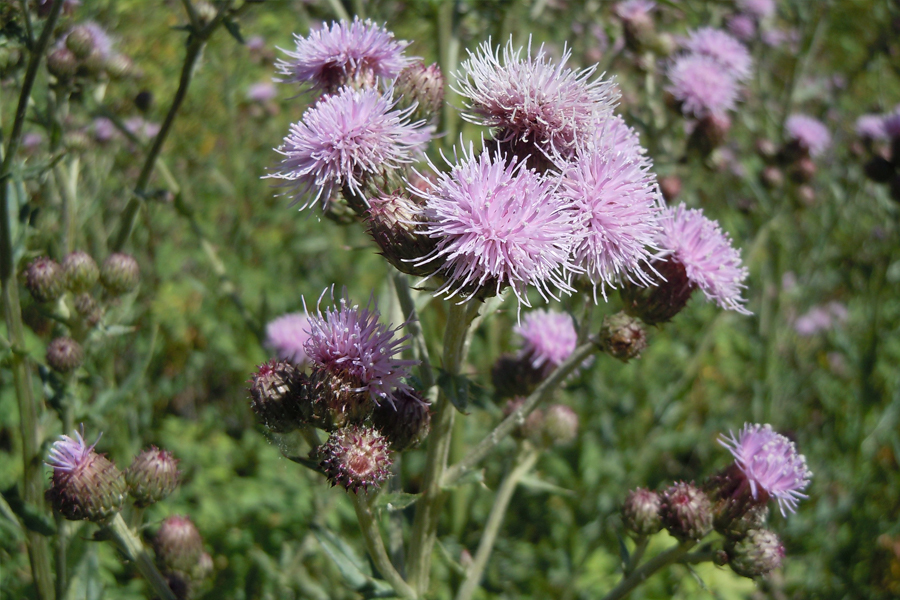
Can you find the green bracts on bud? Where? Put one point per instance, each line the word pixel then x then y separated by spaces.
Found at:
pixel 152 476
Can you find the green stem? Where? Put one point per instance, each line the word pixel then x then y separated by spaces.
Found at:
pixel 32 473
pixel 524 463
pixel 428 507
pixel 448 54
pixel 131 546
pixel 547 387
pixel 635 559
pixel 700 556
pixel 408 306
pixel 650 567
pixel 375 545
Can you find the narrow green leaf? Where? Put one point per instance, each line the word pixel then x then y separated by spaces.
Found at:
pixel 395 500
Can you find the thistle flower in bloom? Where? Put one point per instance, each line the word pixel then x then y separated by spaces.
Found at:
pixel 809 132
pixel 742 26
pixel 287 335
pixel 345 138
pixel 770 465
pixel 530 102
pixel 724 49
pixel 261 92
pixel 871 127
pixel 614 134
pixel 616 200
pixel 497 224
pixel 631 10
pixel 350 343
pixel 357 52
pixel 710 262
pixel 892 123
pixel 701 86
pixel 548 337
pixel 761 9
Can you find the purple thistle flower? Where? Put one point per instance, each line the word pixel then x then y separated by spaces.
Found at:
pixel 332 57
pixel 770 463
pixel 261 92
pixel 892 123
pixel 100 41
pixel 705 251
pixel 531 100
pixel 761 9
pixel 344 138
pixel 722 48
pixel 809 132
pixel 616 200
pixel 548 337
pixel 871 127
pixel 104 130
pixel 287 335
pixel 742 26
pixel 701 86
pixel 631 10
pixel 350 343
pixel 614 134
pixel 497 224
pixel 67 455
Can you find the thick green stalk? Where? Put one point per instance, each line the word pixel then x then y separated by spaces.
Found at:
pixel 428 507
pixel 375 545
pixel 32 474
pixel 650 567
pixel 524 463
pixel 131 546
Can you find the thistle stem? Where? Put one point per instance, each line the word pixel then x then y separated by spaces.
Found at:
pixel 627 585
pixel 635 559
pixel 375 545
pixel 131 546
pixel 524 463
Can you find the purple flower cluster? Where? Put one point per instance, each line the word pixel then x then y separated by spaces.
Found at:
pixel 548 337
pixel 809 132
pixel 879 127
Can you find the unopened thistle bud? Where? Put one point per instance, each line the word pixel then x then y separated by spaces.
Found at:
pixel 659 303
pixel 62 64
pixel 393 221
pixel 81 272
pixel 152 476
pixel 64 354
pixel 330 401
pixel 87 308
pixel 80 41
pixel 275 392
pixel 560 425
pixel 760 552
pixel 119 66
pixel 709 133
pixel 93 64
pixel 406 423
pixel 120 274
pixel 356 457
pixel 515 376
pixel 640 512
pixel 85 485
pixel 686 512
pixel 622 337
pixel 44 279
pixel 424 85
pixel 178 545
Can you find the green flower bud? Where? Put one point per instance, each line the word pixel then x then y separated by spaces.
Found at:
pixel 44 279
pixel 758 553
pixel 80 41
pixel 356 457
pixel 81 271
pixel 686 512
pixel 62 64
pixel 120 274
pixel 64 354
pixel 640 513
pixel 152 476
pixel 275 392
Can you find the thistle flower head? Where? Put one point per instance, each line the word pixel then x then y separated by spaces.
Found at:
pixel 892 123
pixel 334 56
pixel 287 335
pixel 88 37
pixel 616 200
pixel 530 100
pixel 548 337
pixel 701 86
pixel 742 26
pixel 356 457
pixel 613 134
pixel 761 9
pixel 497 224
pixel 345 138
pixel 771 464
pixel 350 343
pixel 809 132
pixel 710 262
pixel 68 454
pixel 724 49
pixel 871 127
pixel 152 476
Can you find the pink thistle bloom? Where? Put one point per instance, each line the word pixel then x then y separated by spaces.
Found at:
pixel 287 335
pixel 349 342
pixel 497 224
pixel 549 337
pixel 892 123
pixel 771 465
pixel 743 27
pixel 331 57
pixel 871 127
pixel 722 48
pixel 761 9
pixel 345 138
pixel 261 92
pixel 531 100
pixel 702 86
pixel 616 200
pixel 614 134
pixel 632 10
pixel 809 132
pixel 705 251
pixel 141 128
pixel 68 455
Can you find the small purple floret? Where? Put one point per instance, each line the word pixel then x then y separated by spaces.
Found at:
pixel 548 337
pixel 67 454
pixel 724 49
pixel 702 86
pixel 809 132
pixel 287 335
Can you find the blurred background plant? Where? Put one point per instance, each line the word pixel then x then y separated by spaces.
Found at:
pixel 167 276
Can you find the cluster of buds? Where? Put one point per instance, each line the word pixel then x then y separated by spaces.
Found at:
pixel 733 502
pixel 556 425
pixel 181 556
pixel 880 141
pixel 86 52
pixel 88 486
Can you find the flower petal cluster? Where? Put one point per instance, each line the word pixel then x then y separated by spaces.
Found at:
pixel 705 251
pixel 345 138
pixel 616 200
pixel 548 337
pixel 496 224
pixel 68 454
pixel 529 99
pixel 350 343
pixel 614 134
pixel 333 56
pixel 770 463
pixel 702 86
pixel 287 335
pixel 809 132
pixel 723 48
